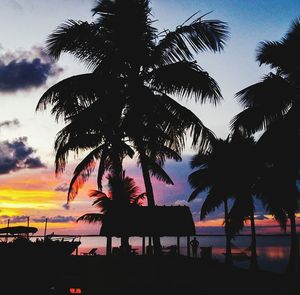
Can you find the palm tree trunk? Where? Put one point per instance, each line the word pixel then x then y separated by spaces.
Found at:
pixel 228 257
pixel 150 197
pixel 293 265
pixel 253 263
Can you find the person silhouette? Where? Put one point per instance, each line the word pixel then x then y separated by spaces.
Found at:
pixel 194 244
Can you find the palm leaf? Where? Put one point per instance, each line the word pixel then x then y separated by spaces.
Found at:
pixel 84 40
pixel 186 79
pixel 213 200
pixel 200 35
pixel 83 171
pixel 91 217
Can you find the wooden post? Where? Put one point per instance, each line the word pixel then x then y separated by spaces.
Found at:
pixel 45 230
pixel 178 245
pixel 27 226
pixel 188 247
pixel 108 246
pixel 7 232
pixel 144 245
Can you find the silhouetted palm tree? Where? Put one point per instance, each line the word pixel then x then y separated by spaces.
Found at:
pixel 212 178
pixel 244 170
pixel 273 105
pixel 228 171
pixel 120 194
pixel 131 62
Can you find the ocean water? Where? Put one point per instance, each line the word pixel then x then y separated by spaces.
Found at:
pixel 273 251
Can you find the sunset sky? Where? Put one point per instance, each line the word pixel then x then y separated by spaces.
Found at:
pixel 28 185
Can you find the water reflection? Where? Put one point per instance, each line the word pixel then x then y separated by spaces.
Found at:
pixel 273 251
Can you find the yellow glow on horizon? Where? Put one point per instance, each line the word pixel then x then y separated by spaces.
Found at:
pixel 27 199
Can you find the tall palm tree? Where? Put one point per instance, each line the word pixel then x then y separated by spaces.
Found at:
pixel 272 105
pixel 146 64
pixel 212 178
pixel 132 62
pixel 244 169
pixel 228 171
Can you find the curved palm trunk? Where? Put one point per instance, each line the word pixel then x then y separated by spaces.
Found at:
pixel 150 198
pixel 293 265
pixel 253 263
pixel 228 257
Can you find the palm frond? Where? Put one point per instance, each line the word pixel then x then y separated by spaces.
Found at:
pixel 91 217
pixel 213 200
pixel 186 79
pixel 71 96
pixel 84 40
pixel 158 172
pixel 186 120
pixel 199 161
pixel 200 35
pixel 83 171
pixel 200 179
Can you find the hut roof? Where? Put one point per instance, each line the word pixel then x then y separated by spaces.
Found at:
pixel 148 221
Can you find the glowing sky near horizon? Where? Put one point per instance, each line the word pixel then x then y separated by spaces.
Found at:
pixel 24 27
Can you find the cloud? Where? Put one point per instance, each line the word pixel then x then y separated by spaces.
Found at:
pixel 8 123
pixel 13 219
pixel 32 163
pixel 63 187
pixel 24 70
pixel 17 155
pixel 56 219
pixel 181 203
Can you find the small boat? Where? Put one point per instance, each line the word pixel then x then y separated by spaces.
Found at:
pixel 22 245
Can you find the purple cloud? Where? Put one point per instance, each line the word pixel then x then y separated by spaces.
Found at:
pixel 24 70
pixel 56 219
pixel 17 155
pixel 63 187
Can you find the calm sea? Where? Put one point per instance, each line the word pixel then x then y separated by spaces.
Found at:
pixel 273 251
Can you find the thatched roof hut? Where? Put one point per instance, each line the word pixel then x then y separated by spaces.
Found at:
pixel 140 221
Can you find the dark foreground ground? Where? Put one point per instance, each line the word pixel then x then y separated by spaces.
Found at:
pixel 136 275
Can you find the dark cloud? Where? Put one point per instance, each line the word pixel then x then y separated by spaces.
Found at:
pixel 32 163
pixel 23 70
pixel 17 155
pixel 56 219
pixel 63 187
pixel 8 123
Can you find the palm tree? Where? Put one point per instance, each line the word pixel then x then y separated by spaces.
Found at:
pixel 131 61
pixel 273 105
pixel 132 65
pixel 226 172
pixel 130 196
pixel 212 178
pixel 244 169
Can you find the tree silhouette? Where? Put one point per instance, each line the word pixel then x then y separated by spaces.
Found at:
pixel 228 171
pixel 120 195
pixel 272 105
pixel 132 64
